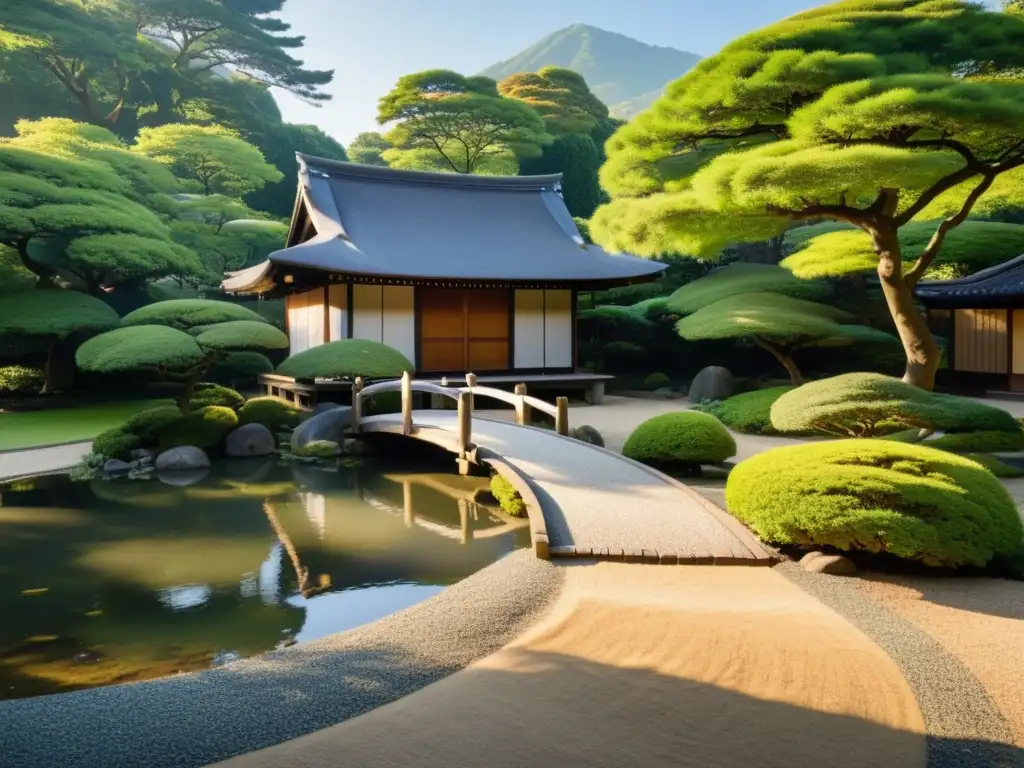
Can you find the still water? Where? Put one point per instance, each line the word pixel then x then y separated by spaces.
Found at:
pixel 113 581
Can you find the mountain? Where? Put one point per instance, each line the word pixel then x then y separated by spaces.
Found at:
pixel 624 73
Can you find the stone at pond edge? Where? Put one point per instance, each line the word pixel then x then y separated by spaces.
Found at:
pixel 835 565
pixel 712 383
pixel 182 457
pixel 181 478
pixel 330 425
pixel 249 440
pixel 139 454
pixel 116 467
pixel 587 434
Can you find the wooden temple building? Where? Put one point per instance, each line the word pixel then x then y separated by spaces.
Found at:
pixel 982 317
pixel 459 273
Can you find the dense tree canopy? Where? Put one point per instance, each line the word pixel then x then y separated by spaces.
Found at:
pixel 870 112
pixel 448 122
pixel 367 148
pixel 558 95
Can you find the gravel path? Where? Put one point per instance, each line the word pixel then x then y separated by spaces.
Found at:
pixel 597 501
pixel 197 719
pixel 964 727
pixel 41 461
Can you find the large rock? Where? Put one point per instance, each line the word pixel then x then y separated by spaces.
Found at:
pixel 587 434
pixel 712 383
pixel 249 440
pixel 836 565
pixel 184 457
pixel 116 466
pixel 330 425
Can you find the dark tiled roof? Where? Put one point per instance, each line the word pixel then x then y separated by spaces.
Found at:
pixel 998 286
pixel 381 222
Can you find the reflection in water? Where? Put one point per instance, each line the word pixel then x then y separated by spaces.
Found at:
pixel 126 580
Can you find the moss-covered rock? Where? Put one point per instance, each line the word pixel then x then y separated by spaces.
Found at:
pixel 868 404
pixel 320 449
pixel 276 415
pixel 115 444
pixel 683 438
pixel 346 359
pixel 204 428
pixel 750 412
pixel 508 497
pixel 877 496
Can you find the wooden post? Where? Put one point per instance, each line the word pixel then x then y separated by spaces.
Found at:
pixel 467 534
pixel 410 513
pixel 357 402
pixel 522 409
pixel 406 403
pixel 471 383
pixel 465 433
pixel 562 415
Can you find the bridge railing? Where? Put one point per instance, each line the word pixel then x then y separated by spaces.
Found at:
pixel 464 397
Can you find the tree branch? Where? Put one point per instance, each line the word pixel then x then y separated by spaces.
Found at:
pixel 942 185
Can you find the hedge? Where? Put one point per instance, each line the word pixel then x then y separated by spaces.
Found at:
pixel 982 441
pixel 347 359
pixel 274 414
pixel 686 437
pixel 21 380
pixel 508 497
pixel 995 466
pixel 749 412
pixel 877 496
pixel 115 444
pixel 868 404
pixel 204 428
pixel 147 424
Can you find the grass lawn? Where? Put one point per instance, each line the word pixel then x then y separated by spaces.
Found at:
pixel 31 429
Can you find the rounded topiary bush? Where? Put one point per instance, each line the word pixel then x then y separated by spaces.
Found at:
pixel 241 365
pixel 147 424
pixel 346 359
pixel 272 413
pixel 750 412
pixel 204 428
pixel 876 496
pixel 683 438
pixel 214 394
pixel 20 380
pixel 986 440
pixel 190 313
pixel 868 404
pixel 657 381
pixel 115 444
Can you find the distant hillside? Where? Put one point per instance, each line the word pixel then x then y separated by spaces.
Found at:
pixel 624 73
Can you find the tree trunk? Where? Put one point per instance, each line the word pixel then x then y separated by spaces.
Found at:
pixel 785 358
pixel 918 343
pixel 59 369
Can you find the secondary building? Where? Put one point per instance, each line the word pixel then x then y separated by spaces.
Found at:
pixel 982 316
pixel 460 273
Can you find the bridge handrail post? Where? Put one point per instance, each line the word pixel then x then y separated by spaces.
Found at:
pixel 406 403
pixel 522 409
pixel 471 383
pixel 357 402
pixel 465 426
pixel 562 415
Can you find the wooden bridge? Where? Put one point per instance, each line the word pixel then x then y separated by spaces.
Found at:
pixel 582 500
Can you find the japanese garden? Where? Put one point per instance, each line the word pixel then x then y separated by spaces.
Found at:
pixel 670 406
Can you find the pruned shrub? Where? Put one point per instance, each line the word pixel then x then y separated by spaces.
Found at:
pixel 995 466
pixel 877 496
pixel 241 365
pixel 508 497
pixel 685 439
pixel 385 402
pixel 20 380
pixel 274 414
pixel 657 381
pixel 115 444
pixel 869 404
pixel 346 359
pixel 147 424
pixel 749 412
pixel 983 441
pixel 214 394
pixel 204 428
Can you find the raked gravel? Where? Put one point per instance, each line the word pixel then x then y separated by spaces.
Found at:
pixel 964 727
pixel 196 719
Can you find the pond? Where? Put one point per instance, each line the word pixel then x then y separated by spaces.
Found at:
pixel 114 581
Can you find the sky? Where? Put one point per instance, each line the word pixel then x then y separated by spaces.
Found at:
pixel 371 43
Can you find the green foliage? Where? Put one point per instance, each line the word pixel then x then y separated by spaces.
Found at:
pixel 749 412
pixel 577 158
pixel 456 123
pixel 508 497
pixel 214 394
pixel 276 415
pixel 766 315
pixel 347 359
pixel 137 348
pixel 876 496
pixel 560 96
pixel 742 278
pixel 995 466
pixel 241 335
pixel 686 437
pixel 147 424
pixel 115 444
pixel 240 365
pixel 367 148
pixel 320 449
pixel 217 158
pixel 656 381
pixel 981 441
pixel 832 249
pixel 204 428
pixel 19 380
pixel 184 314
pixel 867 404
pixel 54 313
pixel 385 402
